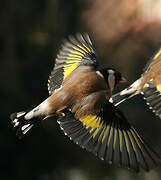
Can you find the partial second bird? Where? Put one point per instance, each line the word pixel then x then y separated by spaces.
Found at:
pixel 79 95
pixel 149 85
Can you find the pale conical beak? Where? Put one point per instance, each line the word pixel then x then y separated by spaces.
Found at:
pixel 123 80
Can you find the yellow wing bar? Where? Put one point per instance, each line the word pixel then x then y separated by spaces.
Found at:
pixel 112 139
pixel 75 51
pixel 74 57
pixel 157 54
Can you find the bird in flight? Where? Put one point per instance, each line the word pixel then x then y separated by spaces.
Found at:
pixel 149 85
pixel 79 95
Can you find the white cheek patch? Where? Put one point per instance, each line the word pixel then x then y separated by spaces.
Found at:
pixel 111 79
pixel 25 126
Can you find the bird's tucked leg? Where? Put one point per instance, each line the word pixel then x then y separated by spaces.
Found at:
pixel 59 112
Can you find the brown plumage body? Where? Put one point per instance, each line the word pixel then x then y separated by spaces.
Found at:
pixel 153 74
pixel 84 91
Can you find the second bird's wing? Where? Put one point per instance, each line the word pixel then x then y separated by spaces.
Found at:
pixel 75 51
pixel 110 137
pixel 152 92
pixel 154 62
pixel 152 95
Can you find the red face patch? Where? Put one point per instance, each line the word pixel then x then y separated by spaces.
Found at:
pixel 118 77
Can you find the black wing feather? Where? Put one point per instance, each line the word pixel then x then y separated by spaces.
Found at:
pixel 75 51
pixel 153 98
pixel 110 137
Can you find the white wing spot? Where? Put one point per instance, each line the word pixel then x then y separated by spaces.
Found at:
pixel 15 120
pixel 25 126
pixel 58 122
pixel 19 114
pixel 61 128
pixel 16 124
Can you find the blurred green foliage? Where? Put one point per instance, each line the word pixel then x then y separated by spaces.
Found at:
pixel 31 33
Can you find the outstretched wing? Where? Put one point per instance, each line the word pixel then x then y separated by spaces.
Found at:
pixel 75 52
pixel 110 137
pixel 152 95
pixel 152 92
pixel 154 62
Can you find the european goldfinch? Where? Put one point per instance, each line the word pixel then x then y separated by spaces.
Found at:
pixel 79 95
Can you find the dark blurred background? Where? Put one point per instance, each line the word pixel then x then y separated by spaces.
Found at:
pixel 125 33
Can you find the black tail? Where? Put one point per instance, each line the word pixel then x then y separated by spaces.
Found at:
pixel 22 125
